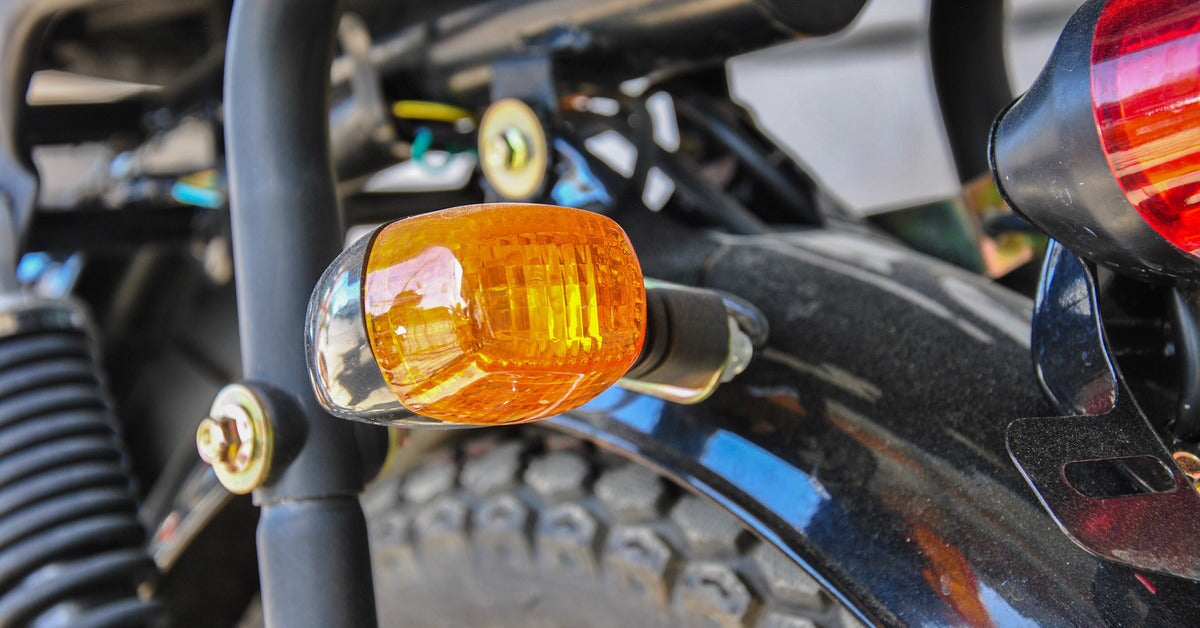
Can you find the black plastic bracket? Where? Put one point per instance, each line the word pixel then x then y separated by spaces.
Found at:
pixel 529 78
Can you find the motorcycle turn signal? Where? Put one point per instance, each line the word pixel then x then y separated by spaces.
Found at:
pixel 506 313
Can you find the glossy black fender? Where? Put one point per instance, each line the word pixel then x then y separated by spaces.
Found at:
pixel 868 439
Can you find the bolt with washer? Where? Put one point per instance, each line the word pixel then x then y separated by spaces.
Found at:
pixel 513 149
pixel 236 439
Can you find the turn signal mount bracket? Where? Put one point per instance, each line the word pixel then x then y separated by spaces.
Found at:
pixel 696 339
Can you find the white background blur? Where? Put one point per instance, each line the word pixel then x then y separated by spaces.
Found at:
pixel 858 109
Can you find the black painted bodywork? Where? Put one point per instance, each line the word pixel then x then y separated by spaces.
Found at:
pixel 868 439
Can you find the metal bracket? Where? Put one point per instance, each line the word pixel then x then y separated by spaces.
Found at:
pixel 529 78
pixel 1152 530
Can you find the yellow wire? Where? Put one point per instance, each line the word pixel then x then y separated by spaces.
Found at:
pixel 426 110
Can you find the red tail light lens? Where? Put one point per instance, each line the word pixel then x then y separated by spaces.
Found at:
pixel 1146 98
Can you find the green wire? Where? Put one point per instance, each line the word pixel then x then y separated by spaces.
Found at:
pixel 420 148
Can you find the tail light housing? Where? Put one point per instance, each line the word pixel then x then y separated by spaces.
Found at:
pixel 1103 151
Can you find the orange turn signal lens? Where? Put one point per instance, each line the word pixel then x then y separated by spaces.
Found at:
pixel 503 313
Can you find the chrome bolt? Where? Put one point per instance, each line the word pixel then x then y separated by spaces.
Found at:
pixel 497 152
pixel 513 149
pixel 226 438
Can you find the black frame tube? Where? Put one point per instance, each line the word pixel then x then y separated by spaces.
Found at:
pixel 312 537
pixel 1185 321
pixel 453 51
pixel 695 108
pixel 966 48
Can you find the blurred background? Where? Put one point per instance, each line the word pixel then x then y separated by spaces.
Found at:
pixel 859 110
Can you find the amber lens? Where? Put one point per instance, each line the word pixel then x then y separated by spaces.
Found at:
pixel 503 313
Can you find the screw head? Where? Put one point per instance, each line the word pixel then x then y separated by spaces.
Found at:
pixel 518 148
pixel 497 152
pixel 217 441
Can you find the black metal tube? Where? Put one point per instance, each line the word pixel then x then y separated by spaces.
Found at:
pixel 286 228
pixel 741 144
pixel 1185 319
pixel 310 580
pixel 966 56
pixel 624 38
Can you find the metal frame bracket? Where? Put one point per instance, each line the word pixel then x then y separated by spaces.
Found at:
pixel 1152 530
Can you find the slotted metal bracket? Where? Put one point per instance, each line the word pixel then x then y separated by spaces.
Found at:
pixel 1154 531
